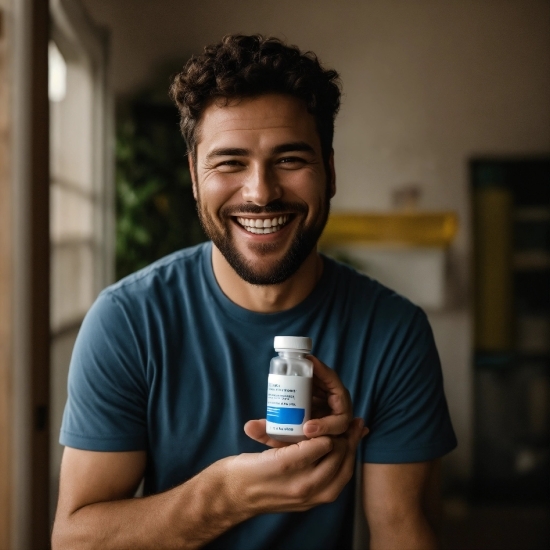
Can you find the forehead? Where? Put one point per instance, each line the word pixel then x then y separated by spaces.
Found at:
pixel 263 120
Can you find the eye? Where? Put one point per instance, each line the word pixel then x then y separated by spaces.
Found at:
pixel 228 165
pixel 292 161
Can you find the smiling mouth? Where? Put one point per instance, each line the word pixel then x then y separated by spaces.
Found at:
pixel 264 226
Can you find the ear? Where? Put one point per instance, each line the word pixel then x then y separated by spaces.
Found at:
pixel 193 174
pixel 332 174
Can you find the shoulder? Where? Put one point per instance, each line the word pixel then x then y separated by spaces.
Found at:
pixel 164 278
pixel 146 302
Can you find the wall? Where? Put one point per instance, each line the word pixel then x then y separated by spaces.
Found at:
pixel 427 85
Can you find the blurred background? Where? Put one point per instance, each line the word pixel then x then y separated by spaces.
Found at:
pixel 442 152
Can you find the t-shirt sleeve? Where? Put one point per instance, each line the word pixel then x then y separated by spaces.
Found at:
pixel 106 408
pixel 410 419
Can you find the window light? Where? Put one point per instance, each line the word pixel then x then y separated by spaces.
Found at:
pixel 57 73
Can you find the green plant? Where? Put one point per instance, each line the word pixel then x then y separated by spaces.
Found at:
pixel 155 207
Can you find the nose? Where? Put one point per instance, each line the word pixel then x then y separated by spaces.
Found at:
pixel 261 186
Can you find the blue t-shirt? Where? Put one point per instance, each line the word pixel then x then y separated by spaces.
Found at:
pixel 165 362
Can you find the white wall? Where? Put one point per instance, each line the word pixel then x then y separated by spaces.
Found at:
pixel 427 85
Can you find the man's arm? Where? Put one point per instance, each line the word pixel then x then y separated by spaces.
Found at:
pixel 401 502
pixel 96 510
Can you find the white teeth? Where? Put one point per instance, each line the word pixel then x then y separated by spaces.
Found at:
pixel 263 226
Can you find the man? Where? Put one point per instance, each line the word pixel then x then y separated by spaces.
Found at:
pixel 172 362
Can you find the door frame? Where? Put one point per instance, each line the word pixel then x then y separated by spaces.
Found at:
pixel 6 284
pixel 24 275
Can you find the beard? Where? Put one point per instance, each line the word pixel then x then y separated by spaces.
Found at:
pixel 305 239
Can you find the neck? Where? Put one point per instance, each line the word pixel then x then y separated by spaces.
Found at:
pixel 267 298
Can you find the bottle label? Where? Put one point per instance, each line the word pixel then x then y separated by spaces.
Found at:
pixel 288 404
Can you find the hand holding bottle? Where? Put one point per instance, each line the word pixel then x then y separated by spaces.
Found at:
pixel 332 411
pixel 299 476
pixel 291 478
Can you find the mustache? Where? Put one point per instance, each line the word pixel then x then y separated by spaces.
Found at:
pixel 275 207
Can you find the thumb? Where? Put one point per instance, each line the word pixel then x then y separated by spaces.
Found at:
pixel 255 429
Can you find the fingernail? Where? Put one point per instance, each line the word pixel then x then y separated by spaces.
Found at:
pixel 311 429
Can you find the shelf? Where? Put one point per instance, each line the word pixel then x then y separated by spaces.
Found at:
pixel 430 229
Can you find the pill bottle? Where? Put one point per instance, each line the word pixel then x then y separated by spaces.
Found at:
pixel 289 389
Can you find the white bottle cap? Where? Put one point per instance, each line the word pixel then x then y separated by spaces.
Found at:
pixel 299 343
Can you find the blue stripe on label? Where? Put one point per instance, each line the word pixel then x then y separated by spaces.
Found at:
pixel 285 415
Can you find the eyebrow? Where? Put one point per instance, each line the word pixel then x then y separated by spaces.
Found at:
pixel 227 152
pixel 277 150
pixel 294 146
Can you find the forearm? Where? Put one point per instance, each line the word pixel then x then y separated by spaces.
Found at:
pixel 397 499
pixel 187 516
pixel 412 533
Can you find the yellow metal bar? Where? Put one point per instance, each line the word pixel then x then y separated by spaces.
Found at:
pixel 406 228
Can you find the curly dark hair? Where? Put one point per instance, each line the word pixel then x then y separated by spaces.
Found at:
pixel 247 66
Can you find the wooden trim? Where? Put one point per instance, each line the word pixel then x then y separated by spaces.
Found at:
pixel 40 277
pixel 406 228
pixel 6 293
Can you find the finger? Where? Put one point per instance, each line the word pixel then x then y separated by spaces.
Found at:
pixel 304 454
pixel 337 419
pixel 317 412
pixel 255 429
pixel 338 396
pixel 319 401
pixel 319 408
pixel 347 465
pixel 327 425
pixel 329 466
pixel 326 378
pixel 319 393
